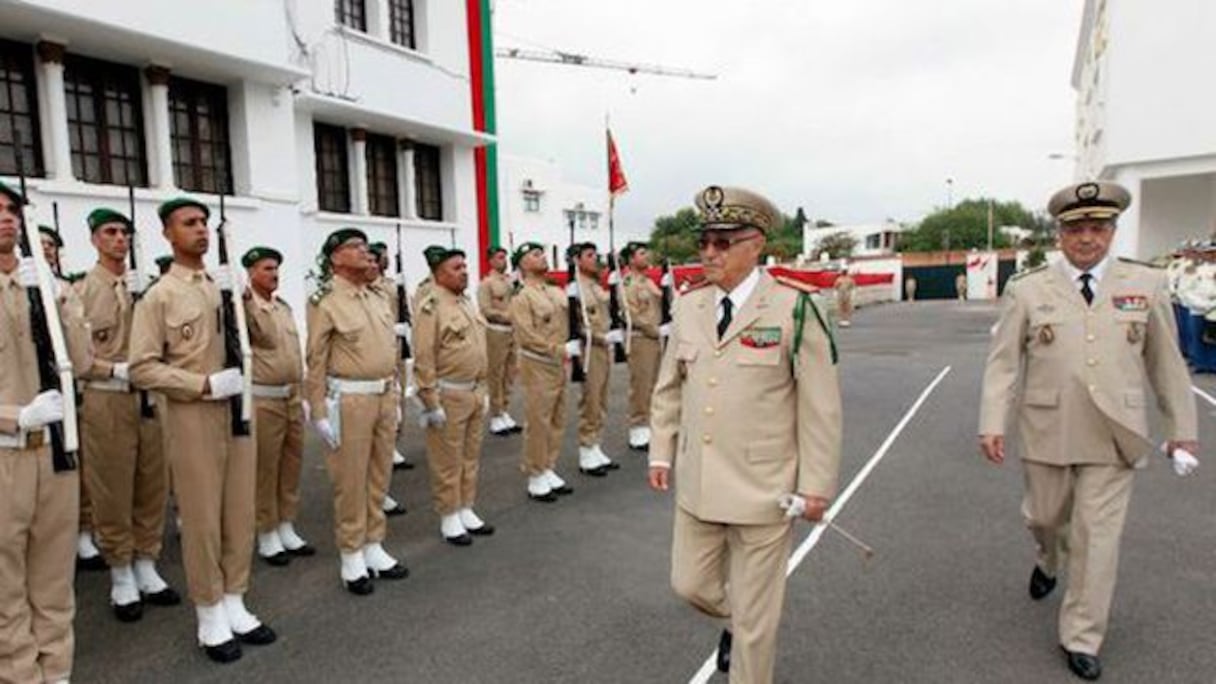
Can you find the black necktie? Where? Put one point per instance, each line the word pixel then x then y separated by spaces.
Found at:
pixel 1086 292
pixel 724 322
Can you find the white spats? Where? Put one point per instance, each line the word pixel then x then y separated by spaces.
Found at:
pixel 377 558
pixel 451 527
pixel 353 566
pixel 240 620
pixel 269 544
pixel 123 590
pixel 213 628
pixel 290 540
pixel 147 579
pixel 470 520
pixel 85 548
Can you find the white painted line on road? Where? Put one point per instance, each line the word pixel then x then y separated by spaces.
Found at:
pixel 710 665
pixel 1206 397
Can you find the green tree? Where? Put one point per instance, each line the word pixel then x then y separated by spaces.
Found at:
pixel 675 237
pixel 838 245
pixel 965 226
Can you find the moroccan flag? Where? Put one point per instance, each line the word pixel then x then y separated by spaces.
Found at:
pixel 616 175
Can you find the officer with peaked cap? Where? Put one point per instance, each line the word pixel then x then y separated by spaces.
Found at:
pixel 494 300
pixel 746 411
pixel 278 371
pixel 352 360
pixel 450 366
pixel 645 302
pixel 1070 355
pixel 124 468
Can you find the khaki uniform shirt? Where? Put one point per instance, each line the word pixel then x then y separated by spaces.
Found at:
pixel 539 320
pixel 19 381
pixel 645 302
pixel 275 341
pixel 845 286
pixel 177 336
pixel 110 310
pixel 744 419
pixel 1076 373
pixel 595 309
pixel 350 336
pixel 494 298
pixel 449 343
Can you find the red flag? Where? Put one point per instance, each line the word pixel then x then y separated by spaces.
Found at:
pixel 616 175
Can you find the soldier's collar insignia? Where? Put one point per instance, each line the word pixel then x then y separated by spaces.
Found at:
pixel 1130 302
pixel 760 338
pixel 187 331
pixel 1046 334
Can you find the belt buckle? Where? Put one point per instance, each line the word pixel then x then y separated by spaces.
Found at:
pixel 34 440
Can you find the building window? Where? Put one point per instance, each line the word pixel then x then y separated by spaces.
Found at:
pixel 352 13
pixel 382 176
pixel 531 201
pixel 582 220
pixel 333 168
pixel 874 241
pixel 105 122
pixel 401 22
pixel 594 217
pixel 198 122
pixel 18 110
pixel 426 178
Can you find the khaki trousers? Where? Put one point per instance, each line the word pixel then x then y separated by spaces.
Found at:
pixel 280 437
pixel 38 516
pixel 1078 511
pixel 125 475
pixel 86 503
pixel 707 558
pixel 545 414
pixel 593 402
pixel 500 353
pixel 215 474
pixel 846 306
pixel 644 357
pixel 453 452
pixel 360 468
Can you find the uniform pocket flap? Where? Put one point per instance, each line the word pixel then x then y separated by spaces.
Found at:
pixel 1134 398
pixel 1044 397
pixel 759 357
pixel 761 453
pixel 1131 316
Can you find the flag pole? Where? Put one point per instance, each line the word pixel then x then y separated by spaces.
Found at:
pixel 611 195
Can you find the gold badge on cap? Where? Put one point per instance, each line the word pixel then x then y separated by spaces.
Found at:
pixel 1088 191
pixel 1046 335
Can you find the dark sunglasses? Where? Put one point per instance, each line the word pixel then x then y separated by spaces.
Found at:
pixel 722 244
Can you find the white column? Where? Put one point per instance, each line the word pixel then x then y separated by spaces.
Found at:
pixel 359 203
pixel 160 143
pixel 405 177
pixel 57 152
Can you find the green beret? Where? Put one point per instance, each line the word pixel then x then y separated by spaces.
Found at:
pixel 495 250
pixel 173 205
pixel 339 237
pixel 628 250
pixel 577 249
pixel 378 248
pixel 12 193
pixel 103 215
pixel 436 255
pixel 258 253
pixel 53 234
pixel 163 262
pixel 522 251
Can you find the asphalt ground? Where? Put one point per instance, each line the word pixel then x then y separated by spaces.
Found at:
pixel 577 591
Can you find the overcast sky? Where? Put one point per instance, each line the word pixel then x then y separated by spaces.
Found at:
pixel 856 110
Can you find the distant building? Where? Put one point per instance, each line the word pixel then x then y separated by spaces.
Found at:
pixel 539 205
pixel 873 239
pixel 1146 117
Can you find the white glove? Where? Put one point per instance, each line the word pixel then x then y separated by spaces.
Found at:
pixel 615 337
pixel 121 371
pixel 222 279
pixel 399 280
pixel 574 348
pixel 135 284
pixel 326 430
pixel 793 505
pixel 485 404
pixel 402 330
pixel 307 407
pixel 400 413
pixel 664 330
pixel 27 272
pixel 1184 462
pixel 429 419
pixel 46 408
pixel 226 383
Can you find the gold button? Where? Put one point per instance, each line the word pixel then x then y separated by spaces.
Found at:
pixel 1093 388
pixel 707 439
pixel 1091 362
pixel 713 382
pixel 1090 338
pixel 709 410
pixel 717 353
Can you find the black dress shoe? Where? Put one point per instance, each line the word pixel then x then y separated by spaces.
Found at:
pixel 404 465
pixel 164 597
pixel 612 465
pixel 395 511
pixel 485 530
pixel 258 636
pixel 1040 584
pixel 724 651
pixel 639 447
pixel 548 497
pixel 305 550
pixel 93 564
pixel 598 471
pixel 227 652
pixel 459 540
pixel 1084 665
pixel 129 612
pixel 564 490
pixel 396 572
pixel 517 428
pixel 278 560
pixel 360 587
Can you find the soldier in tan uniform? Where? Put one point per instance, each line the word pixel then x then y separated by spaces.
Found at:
pixel 39 508
pixel 125 468
pixel 845 286
pixel 350 387
pixel 747 411
pixel 450 368
pixel 1071 352
pixel 539 320
pixel 494 299
pixel 278 374
pixel 593 402
pixel 387 285
pixel 177 350
pixel 645 302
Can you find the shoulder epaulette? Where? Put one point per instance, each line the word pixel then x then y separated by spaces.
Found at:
pixel 323 289
pixel 1146 264
pixel 1023 274
pixel 282 301
pixel 427 305
pixel 796 284
pixel 692 287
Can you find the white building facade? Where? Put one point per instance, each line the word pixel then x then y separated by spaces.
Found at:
pixel 309 115
pixel 1145 116
pixel 873 239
